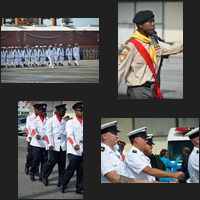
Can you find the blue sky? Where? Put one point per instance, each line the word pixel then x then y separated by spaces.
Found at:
pixel 76 21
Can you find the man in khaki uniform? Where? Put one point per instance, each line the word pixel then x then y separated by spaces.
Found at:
pixel 87 54
pixel 132 66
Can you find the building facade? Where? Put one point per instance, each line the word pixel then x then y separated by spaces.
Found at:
pixel 86 37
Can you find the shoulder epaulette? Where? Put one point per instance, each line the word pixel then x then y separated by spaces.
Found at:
pixel 128 40
pixel 134 151
pixel 102 149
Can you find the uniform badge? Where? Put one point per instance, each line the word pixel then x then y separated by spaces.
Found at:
pixel 197 151
pixel 123 56
pixel 127 48
pixel 134 151
pixel 102 149
pixel 156 47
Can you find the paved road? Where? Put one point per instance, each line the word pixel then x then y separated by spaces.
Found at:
pixel 171 79
pixel 87 72
pixel 37 190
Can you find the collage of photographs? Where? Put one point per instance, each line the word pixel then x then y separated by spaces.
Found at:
pixel 55 65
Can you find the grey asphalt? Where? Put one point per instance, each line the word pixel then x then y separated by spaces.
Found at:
pixel 87 72
pixel 36 189
pixel 171 79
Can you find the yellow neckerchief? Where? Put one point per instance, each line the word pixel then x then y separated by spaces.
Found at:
pixel 143 38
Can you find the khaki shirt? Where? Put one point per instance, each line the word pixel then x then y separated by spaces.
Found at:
pixel 135 69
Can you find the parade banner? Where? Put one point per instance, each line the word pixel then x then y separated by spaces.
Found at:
pixel 44 37
pixel 3 38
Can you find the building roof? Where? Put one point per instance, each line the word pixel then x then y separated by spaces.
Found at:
pixel 48 28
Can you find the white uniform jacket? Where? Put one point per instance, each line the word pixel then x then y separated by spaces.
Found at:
pixel 9 54
pixel 193 165
pixel 135 161
pixel 111 160
pixel 69 51
pixel 25 54
pixel 39 128
pixel 56 133
pixel 43 53
pixel 50 53
pixel 29 120
pixel 76 52
pixel 60 51
pixel 75 136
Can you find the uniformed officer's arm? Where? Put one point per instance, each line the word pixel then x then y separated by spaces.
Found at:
pixel 28 128
pixel 70 135
pixel 117 178
pixel 126 58
pixel 160 173
pixel 49 134
pixel 167 49
pixel 34 130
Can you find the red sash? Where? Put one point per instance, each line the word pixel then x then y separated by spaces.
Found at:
pixel 147 58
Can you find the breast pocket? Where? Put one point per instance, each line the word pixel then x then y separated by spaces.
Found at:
pixel 114 163
pixel 138 66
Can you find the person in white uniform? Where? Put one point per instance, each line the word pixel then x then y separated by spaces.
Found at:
pixel 36 52
pixel 9 57
pixel 112 166
pixel 74 128
pixel 38 142
pixel 43 55
pixel 55 54
pixel 69 54
pixel 17 54
pixel 3 57
pixel 29 121
pixel 29 53
pixel 61 54
pixel 138 164
pixel 57 144
pixel 25 55
pixel 193 162
pixel 76 54
pixel 51 54
pixel 32 56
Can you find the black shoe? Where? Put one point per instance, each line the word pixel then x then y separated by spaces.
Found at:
pixel 45 181
pixel 32 178
pixel 79 192
pixel 62 188
pixel 26 170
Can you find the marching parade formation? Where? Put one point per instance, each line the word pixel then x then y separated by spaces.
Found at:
pixel 36 56
pixel 50 140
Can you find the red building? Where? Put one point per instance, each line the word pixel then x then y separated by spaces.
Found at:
pixel 86 37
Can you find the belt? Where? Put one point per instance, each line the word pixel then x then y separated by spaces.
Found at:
pixel 42 138
pixel 79 141
pixel 146 84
